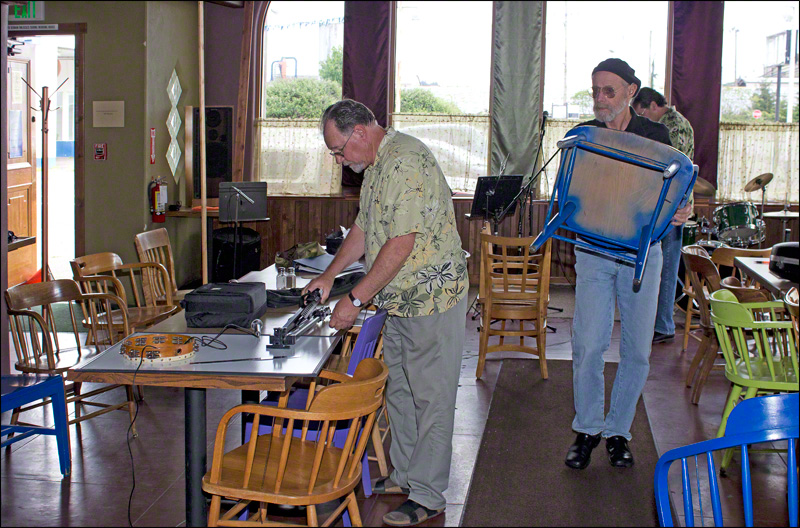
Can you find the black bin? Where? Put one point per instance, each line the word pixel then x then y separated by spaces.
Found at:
pixel 244 244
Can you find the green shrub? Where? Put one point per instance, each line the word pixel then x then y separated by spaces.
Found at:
pixel 300 98
pixel 422 101
pixel 331 68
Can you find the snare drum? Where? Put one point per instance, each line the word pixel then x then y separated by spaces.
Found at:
pixel 738 224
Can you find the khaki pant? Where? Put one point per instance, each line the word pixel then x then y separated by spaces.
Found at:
pixel 424 359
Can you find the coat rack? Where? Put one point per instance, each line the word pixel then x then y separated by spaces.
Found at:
pixel 44 107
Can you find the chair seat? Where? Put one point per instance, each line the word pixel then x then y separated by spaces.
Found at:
pixel 65 360
pixel 294 487
pixel 137 315
pixel 785 376
pixel 521 311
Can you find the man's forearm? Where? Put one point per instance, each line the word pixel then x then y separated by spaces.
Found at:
pixel 387 264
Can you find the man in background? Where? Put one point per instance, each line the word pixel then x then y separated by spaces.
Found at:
pixel 652 105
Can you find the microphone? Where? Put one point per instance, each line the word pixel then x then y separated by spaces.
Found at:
pixel 256 326
pixel 545 115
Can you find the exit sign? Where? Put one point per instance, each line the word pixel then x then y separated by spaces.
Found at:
pixel 28 11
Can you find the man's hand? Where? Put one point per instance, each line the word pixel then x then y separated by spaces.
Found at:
pixel 323 283
pixel 682 215
pixel 344 314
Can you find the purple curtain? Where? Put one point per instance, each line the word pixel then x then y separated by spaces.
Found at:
pixel 697 76
pixel 365 75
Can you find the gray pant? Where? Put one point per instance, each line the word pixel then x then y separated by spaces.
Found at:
pixel 424 359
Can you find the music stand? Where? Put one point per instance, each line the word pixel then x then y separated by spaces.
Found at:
pixel 250 206
pixel 493 194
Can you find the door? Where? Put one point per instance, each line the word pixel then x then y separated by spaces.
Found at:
pixel 21 166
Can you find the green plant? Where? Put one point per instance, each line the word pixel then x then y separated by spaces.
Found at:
pixel 422 101
pixel 331 68
pixel 300 98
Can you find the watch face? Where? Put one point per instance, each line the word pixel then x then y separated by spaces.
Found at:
pixel 356 302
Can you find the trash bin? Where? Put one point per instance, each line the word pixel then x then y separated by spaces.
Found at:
pixel 234 253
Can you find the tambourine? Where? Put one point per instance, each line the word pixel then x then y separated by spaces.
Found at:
pixel 159 347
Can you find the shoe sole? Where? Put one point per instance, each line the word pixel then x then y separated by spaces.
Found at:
pixel 428 518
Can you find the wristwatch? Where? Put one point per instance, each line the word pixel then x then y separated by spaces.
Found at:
pixel 356 302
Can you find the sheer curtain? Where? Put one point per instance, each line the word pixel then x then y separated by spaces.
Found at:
pixel 747 150
pixel 293 159
pixel 459 143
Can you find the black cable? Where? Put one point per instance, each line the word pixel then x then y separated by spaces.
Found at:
pixel 128 434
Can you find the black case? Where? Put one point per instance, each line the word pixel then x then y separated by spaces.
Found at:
pixel 785 260
pixel 217 304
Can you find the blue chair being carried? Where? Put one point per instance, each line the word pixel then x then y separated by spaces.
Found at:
pixel 618 192
pixel 755 420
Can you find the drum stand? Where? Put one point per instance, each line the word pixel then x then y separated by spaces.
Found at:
pixel 763 193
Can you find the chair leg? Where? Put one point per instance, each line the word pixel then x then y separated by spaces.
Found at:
pixel 140 390
pixel 352 509
pixel 213 510
pixel 380 454
pixel 484 344
pixel 733 397
pixel 131 409
pixel 696 360
pixel 311 515
pixel 728 456
pixel 14 421
pixel 687 325
pixel 76 392
pixel 541 342
pixel 708 364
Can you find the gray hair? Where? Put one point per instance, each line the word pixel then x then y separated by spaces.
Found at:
pixel 346 114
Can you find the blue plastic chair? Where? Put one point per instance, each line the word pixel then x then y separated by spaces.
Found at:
pixel 21 389
pixel 755 420
pixel 299 398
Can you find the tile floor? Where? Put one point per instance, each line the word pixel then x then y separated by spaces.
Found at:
pixel 98 491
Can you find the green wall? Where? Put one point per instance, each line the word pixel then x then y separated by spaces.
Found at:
pixel 131 50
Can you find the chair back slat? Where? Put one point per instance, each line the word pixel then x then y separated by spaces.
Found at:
pixel 154 246
pixel 753 421
pixel 367 340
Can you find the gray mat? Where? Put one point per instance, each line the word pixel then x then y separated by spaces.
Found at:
pixel 520 478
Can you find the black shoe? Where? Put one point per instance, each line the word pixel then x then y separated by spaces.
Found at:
pixel 619 454
pixel 658 337
pixel 580 452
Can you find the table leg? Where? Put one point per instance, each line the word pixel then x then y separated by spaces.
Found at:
pixel 195 428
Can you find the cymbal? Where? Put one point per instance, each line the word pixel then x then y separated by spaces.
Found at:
pixel 759 182
pixel 782 215
pixel 703 188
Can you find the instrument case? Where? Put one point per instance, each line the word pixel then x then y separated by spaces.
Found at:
pixel 217 304
pixel 785 260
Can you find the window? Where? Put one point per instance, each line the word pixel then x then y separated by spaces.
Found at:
pixel 577 40
pixel 442 72
pixel 757 50
pixel 301 75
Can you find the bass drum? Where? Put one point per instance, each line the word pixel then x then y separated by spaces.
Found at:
pixel 738 224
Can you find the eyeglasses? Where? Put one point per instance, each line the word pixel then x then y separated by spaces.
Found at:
pixel 608 91
pixel 340 152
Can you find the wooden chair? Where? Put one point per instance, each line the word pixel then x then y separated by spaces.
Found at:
pixel 744 293
pixel 279 468
pixel 705 280
pixel 101 272
pixel 154 246
pixel 516 284
pixel 36 341
pixel 723 256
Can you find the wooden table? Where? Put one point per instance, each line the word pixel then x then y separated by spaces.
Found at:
pixel 306 358
pixel 758 269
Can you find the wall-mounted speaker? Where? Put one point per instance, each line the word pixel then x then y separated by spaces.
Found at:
pixel 219 149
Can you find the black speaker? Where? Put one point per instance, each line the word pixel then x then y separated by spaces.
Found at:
pixel 244 245
pixel 219 149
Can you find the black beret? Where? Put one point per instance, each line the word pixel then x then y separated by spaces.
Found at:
pixel 621 68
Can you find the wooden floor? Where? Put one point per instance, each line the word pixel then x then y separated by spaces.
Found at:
pixel 97 493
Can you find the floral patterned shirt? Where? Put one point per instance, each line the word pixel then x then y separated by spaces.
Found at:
pixel 404 191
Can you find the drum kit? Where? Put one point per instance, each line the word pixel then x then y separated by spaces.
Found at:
pixel 737 224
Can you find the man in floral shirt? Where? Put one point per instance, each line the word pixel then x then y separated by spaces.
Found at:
pixel 652 105
pixel 417 271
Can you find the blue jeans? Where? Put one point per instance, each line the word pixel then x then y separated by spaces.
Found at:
pixel 671 250
pixel 601 281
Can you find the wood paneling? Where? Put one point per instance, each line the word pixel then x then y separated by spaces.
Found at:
pixel 296 220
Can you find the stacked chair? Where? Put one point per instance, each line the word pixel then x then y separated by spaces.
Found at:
pixel 154 246
pixel 35 338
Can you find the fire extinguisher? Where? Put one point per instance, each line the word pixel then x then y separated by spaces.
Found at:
pixel 157 191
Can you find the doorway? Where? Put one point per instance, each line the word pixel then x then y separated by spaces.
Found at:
pixel 55 62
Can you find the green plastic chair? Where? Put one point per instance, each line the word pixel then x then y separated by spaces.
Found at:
pixel 759 347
